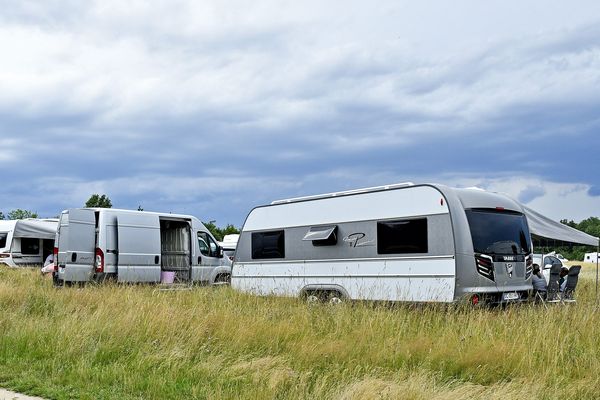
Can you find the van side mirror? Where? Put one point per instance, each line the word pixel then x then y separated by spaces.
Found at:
pixel 548 266
pixel 220 252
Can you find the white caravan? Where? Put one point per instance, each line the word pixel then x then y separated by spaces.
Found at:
pixel 26 242
pixel 403 242
pixel 136 246
pixel 591 258
pixel 229 244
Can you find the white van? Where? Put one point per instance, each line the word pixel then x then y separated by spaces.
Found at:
pixel 136 246
pixel 26 242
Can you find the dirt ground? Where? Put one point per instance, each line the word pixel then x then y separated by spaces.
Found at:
pixel 7 395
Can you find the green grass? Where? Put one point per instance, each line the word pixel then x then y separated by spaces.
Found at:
pixel 136 342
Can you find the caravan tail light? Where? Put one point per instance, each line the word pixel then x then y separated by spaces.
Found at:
pixel 485 266
pixel 475 299
pixel 99 264
pixel 4 255
pixel 55 258
pixel 528 266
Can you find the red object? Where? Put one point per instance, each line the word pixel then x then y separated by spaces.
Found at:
pixel 99 260
pixel 500 208
pixel 475 299
pixel 55 258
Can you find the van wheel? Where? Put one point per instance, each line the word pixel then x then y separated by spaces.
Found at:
pixel 222 279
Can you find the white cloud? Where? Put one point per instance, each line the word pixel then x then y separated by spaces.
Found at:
pixel 127 93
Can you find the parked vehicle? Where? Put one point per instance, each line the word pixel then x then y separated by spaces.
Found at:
pixel 404 242
pixel 136 246
pixel 229 244
pixel 26 242
pixel 591 257
pixel 548 261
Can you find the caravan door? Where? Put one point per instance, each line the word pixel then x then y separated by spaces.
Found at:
pixel 139 247
pixel 81 246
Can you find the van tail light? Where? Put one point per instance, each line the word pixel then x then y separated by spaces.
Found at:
pixel 55 258
pixel 485 266
pixel 99 264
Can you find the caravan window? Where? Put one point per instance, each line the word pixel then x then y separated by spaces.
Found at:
pixel 402 237
pixel 268 244
pixel 30 246
pixel 207 245
pixel 3 236
pixel 499 231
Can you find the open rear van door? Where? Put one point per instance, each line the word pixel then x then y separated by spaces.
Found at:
pixel 139 248
pixel 81 247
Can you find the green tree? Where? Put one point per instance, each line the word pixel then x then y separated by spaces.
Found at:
pixel 21 214
pixel 96 200
pixel 591 226
pixel 1 215
pixel 570 223
pixel 230 229
pixel 219 233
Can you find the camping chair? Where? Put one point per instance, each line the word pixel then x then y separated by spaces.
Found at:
pixel 552 296
pixel 539 295
pixel 572 279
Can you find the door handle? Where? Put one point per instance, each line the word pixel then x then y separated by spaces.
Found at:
pixel 199 260
pixel 156 260
pixel 73 257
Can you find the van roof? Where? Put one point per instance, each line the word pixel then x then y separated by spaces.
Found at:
pixel 120 210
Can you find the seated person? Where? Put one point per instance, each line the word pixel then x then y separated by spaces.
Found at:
pixel 537 279
pixel 48 264
pixel 562 282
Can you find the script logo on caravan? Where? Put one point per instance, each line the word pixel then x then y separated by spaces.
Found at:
pixel 356 240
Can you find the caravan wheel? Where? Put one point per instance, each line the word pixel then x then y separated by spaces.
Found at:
pixel 335 299
pixel 313 299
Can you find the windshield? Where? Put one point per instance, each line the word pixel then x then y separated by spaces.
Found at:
pixel 3 236
pixel 499 232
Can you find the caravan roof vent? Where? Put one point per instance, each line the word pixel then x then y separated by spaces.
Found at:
pixel 322 235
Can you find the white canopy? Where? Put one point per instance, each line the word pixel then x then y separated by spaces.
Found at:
pixel 544 227
pixel 36 228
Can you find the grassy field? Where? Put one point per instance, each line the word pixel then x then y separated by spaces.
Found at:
pixel 137 342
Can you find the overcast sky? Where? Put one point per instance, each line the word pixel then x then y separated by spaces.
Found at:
pixel 213 107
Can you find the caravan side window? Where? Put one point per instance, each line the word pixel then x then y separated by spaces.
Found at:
pixel 402 236
pixel 207 245
pixel 4 235
pixel 268 245
pixel 30 246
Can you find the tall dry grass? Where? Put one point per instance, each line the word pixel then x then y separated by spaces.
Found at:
pixel 138 342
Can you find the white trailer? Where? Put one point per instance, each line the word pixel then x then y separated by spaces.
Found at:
pixel 229 244
pixel 136 246
pixel 404 242
pixel 26 242
pixel 591 258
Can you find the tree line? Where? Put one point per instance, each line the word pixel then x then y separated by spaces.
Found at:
pixel 591 226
